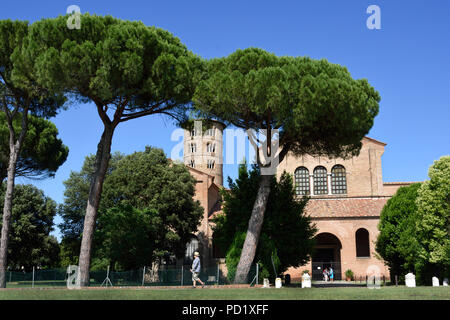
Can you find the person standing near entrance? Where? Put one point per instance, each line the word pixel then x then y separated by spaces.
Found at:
pixel 325 274
pixel 331 274
pixel 196 270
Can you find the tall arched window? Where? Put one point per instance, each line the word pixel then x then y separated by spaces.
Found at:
pixel 193 148
pixel 210 164
pixel 338 180
pixel 210 132
pixel 192 164
pixel 191 247
pixel 210 147
pixel 320 180
pixel 301 176
pixel 362 243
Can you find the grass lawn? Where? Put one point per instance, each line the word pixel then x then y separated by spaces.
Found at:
pixel 361 293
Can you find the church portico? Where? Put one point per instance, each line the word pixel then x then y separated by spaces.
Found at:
pixel 337 244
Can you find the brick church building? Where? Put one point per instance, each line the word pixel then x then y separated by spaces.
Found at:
pixel 346 199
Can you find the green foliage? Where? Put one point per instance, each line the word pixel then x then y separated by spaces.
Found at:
pixel 147 210
pixel 349 274
pixel 433 223
pixel 316 105
pixel 286 236
pixel 31 223
pixel 113 61
pixel 72 210
pixel 415 227
pixel 125 236
pixel 234 253
pixel 42 152
pixel 148 181
pixel 20 97
pixel 396 242
pixel 22 91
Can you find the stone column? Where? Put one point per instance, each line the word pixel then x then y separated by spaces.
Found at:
pixel 311 184
pixel 329 182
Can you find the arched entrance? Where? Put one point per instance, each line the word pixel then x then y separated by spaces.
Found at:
pixel 327 253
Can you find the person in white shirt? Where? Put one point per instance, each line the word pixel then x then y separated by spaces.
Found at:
pixel 196 270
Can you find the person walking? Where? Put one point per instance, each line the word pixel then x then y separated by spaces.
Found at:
pixel 196 270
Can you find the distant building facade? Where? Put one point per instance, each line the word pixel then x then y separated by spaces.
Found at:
pixel 346 199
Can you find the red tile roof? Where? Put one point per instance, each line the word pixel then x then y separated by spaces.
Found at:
pixel 401 182
pixel 332 208
pixel 215 210
pixel 345 207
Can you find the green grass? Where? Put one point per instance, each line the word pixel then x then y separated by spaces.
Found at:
pixel 361 293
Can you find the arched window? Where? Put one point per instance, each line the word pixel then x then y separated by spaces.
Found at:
pixel 301 176
pixel 191 247
pixel 210 164
pixel 338 180
pixel 192 164
pixel 193 132
pixel 210 147
pixel 210 132
pixel 362 243
pixel 193 148
pixel 320 180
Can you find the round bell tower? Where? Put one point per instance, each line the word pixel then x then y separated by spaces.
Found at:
pixel 203 149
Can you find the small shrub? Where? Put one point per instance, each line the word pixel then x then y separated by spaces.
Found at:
pixel 349 274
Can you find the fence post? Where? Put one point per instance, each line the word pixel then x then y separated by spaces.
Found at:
pixel 218 272
pixel 143 277
pixel 182 274
pixel 257 273
pixel 10 274
pixel 32 283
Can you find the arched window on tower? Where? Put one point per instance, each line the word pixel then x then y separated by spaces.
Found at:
pixel 320 180
pixel 362 243
pixel 193 148
pixel 301 176
pixel 210 164
pixel 210 147
pixel 338 180
pixel 192 164
pixel 210 132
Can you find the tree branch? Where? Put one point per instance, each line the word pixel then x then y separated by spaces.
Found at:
pixel 102 113
pixel 153 110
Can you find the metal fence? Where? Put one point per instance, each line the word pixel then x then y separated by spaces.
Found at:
pixel 146 276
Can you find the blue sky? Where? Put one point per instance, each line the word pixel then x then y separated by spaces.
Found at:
pixel 407 61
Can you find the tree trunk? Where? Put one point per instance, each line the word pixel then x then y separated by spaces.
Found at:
pixel 7 212
pixel 254 230
pixel 101 165
pixel 14 150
